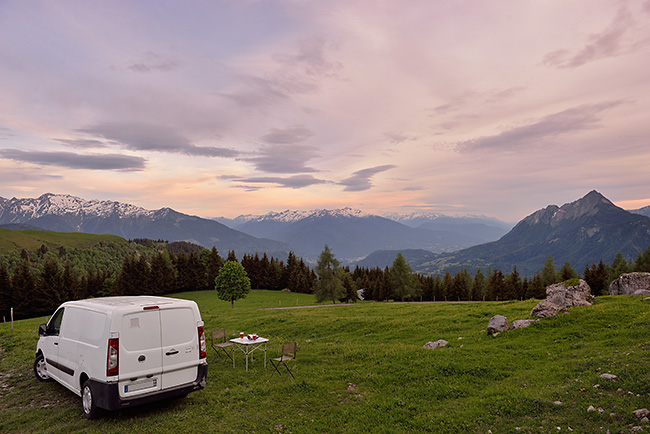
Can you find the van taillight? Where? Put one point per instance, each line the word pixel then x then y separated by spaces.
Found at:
pixel 203 349
pixel 112 361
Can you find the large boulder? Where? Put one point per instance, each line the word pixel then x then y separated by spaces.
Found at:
pixel 497 324
pixel 631 284
pixel 566 295
pixel 545 309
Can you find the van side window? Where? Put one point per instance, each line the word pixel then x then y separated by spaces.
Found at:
pixel 54 326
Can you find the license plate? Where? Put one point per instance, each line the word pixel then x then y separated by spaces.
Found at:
pixel 139 385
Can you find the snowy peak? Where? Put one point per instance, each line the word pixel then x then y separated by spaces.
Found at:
pixel 291 216
pixel 63 204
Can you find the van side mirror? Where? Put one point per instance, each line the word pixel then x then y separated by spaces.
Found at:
pixel 42 330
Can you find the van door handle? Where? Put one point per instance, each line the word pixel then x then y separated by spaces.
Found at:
pixel 56 343
pixel 172 352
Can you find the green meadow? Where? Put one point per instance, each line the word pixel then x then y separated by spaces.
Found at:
pixel 362 369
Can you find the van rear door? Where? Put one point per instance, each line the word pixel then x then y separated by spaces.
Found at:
pixel 180 345
pixel 140 357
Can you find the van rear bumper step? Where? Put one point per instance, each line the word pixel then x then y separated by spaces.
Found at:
pixel 107 395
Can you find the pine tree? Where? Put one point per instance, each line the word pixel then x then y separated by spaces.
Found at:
pixel 6 292
pixel 329 285
pixel 549 275
pixel 642 263
pixel 496 285
pixel 403 282
pixel 567 273
pixel 479 285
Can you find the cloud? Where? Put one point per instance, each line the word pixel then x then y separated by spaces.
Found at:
pixel 584 117
pixel 608 43
pixel 360 180
pixel 82 143
pixel 151 137
pixel 293 134
pixel 397 138
pixel 76 161
pixel 150 62
pixel 283 158
pixel 291 74
pixel 297 181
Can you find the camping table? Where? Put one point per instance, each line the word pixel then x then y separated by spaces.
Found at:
pixel 247 346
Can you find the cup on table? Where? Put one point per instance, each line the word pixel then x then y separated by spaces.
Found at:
pixel 254 336
pixel 241 335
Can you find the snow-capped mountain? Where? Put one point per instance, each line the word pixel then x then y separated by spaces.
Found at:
pixel 289 216
pixel 353 234
pixel 64 213
pixel 63 204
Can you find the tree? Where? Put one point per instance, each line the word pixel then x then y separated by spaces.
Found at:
pixel 232 283
pixel 549 275
pixel 6 291
pixel 566 272
pixel 496 285
pixel 405 284
pixel 642 263
pixel 479 285
pixel 619 266
pixel 349 286
pixel 329 285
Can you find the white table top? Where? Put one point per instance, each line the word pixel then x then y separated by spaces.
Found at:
pixel 246 341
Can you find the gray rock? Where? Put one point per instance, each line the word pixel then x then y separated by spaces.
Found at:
pixel 631 284
pixel 436 344
pixel 641 413
pixel 609 376
pixel 567 296
pixel 521 323
pixel 498 323
pixel 545 309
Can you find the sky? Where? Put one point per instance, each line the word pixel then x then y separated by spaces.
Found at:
pixel 230 107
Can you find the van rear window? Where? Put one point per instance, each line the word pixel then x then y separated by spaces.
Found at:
pixel 140 330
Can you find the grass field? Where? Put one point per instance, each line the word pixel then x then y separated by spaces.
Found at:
pixel 361 368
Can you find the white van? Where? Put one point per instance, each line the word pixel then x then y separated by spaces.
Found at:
pixel 116 352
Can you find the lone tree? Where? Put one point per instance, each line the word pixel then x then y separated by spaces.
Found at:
pixel 329 285
pixel 405 284
pixel 232 283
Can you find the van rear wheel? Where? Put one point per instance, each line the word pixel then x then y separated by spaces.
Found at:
pixel 88 401
pixel 40 368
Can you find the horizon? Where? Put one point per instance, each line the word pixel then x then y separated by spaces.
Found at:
pixel 231 108
pixel 386 215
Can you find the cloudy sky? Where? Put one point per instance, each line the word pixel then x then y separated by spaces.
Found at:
pixel 229 107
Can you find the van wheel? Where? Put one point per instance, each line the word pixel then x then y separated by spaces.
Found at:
pixel 40 368
pixel 88 401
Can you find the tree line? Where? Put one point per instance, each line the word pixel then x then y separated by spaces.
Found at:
pixel 38 283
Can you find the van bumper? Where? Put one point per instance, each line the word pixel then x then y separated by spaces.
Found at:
pixel 107 395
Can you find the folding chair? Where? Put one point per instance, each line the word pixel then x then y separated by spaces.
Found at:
pixel 220 346
pixel 287 359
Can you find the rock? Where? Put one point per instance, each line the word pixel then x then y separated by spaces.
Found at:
pixel 557 403
pixel 521 323
pixel 641 413
pixel 436 344
pixel 591 408
pixel 631 284
pixel 645 420
pixel 567 296
pixel 545 309
pixel 609 376
pixel 498 323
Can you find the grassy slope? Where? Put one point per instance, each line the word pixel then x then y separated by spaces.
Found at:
pixel 32 240
pixel 362 369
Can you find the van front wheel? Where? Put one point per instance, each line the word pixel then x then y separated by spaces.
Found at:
pixel 40 368
pixel 88 401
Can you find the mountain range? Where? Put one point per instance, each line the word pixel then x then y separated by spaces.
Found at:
pixel 581 233
pixel 353 234
pixel 64 213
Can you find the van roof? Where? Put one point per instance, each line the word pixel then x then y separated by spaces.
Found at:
pixel 108 304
